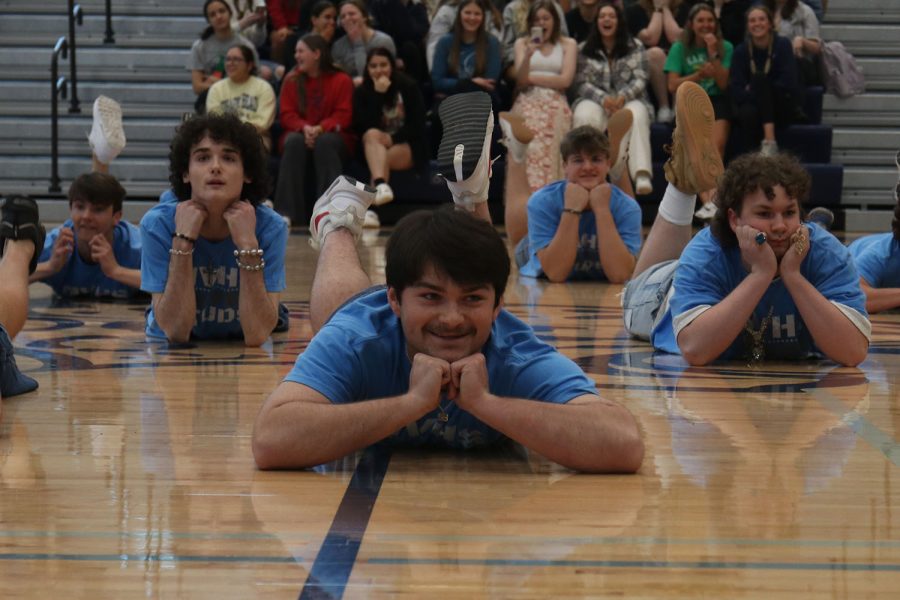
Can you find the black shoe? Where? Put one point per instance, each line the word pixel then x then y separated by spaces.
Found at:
pixel 464 155
pixel 20 220
pixel 12 381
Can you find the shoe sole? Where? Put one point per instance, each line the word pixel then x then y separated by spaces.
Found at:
pixel 110 114
pixel 694 119
pixel 464 118
pixel 617 130
pixel 517 127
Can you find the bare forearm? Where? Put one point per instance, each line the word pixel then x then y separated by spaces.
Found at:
pixel 594 437
pixel 556 82
pixel 259 314
pixel 176 309
pixel 42 271
pixel 305 434
pixel 125 276
pixel 615 258
pixel 832 331
pixel 558 257
pixel 879 299
pixel 710 334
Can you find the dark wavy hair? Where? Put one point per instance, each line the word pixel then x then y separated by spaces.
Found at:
pixel 751 172
pixel 221 128
pixel 624 43
pixel 468 249
pixel 99 189
pixel 585 139
pixel 207 33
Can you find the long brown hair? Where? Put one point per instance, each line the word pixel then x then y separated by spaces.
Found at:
pixel 689 39
pixel 481 39
pixel 316 43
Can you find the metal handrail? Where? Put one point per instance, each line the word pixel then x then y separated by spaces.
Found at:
pixel 75 13
pixel 110 34
pixel 57 87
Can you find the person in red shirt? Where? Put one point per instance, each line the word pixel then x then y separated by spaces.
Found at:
pixel 316 112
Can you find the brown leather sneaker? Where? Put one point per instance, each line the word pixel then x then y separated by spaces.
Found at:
pixel 694 164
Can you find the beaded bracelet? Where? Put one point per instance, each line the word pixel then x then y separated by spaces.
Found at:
pixel 185 237
pixel 573 211
pixel 246 267
pixel 181 252
pixel 248 252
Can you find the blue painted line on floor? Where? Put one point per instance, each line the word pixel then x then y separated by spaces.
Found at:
pixel 334 562
pixel 860 425
pixel 641 564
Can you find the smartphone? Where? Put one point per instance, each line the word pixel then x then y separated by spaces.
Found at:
pixel 537 35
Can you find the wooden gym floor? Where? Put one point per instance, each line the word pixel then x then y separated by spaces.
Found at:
pixel 128 474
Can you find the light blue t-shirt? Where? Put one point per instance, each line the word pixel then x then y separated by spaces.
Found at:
pixel 877 258
pixel 545 209
pixel 81 278
pixel 217 276
pixel 707 273
pixel 444 81
pixel 360 354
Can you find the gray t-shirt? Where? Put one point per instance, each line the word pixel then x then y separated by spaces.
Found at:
pixel 209 55
pixel 351 56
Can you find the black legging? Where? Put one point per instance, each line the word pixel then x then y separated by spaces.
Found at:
pixel 768 104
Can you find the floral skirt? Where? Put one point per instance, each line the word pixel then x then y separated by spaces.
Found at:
pixel 547 114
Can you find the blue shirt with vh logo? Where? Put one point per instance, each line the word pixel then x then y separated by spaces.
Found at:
pixel 216 274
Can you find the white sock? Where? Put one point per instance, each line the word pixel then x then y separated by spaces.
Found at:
pixel 677 207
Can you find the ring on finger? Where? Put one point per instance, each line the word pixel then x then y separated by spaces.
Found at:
pixel 760 238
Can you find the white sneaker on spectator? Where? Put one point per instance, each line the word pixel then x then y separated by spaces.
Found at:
pixel 516 136
pixel 643 185
pixel 464 154
pixel 107 137
pixel 383 194
pixel 665 115
pixel 371 220
pixel 768 148
pixel 344 204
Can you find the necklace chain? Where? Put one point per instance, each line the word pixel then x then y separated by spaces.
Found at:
pixel 757 348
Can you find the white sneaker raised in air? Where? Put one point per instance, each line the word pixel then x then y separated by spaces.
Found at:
pixel 464 154
pixel 371 220
pixel 516 135
pixel 707 211
pixel 107 137
pixel 383 194
pixel 643 185
pixel 665 115
pixel 344 204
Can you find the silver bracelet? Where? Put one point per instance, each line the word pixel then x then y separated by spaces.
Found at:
pixel 246 267
pixel 181 252
pixel 248 252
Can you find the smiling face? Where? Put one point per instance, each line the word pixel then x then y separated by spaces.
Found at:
pixel 586 169
pixel 703 22
pixel 778 218
pixel 379 66
pixel 215 173
pixel 90 219
pixel 471 17
pixel 442 318
pixel 307 59
pixel 758 24
pixel 352 20
pixel 236 66
pixel 324 24
pixel 607 22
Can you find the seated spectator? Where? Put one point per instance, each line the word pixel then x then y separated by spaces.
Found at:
pixel 545 68
pixel 243 93
pixel 389 114
pixel 655 24
pixel 758 283
pixel 442 24
pixel 316 113
pixel 581 19
pixel 285 19
pixel 764 83
pixel 249 18
pixel 323 20
pixel 581 227
pixel 797 22
pixel 213 256
pixel 21 238
pixel 433 360
pixel 703 57
pixel 350 51
pixel 468 59
pixel 406 22
pixel 207 61
pixel 612 76
pixel 515 26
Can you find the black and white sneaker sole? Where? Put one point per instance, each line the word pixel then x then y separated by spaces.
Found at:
pixel 464 118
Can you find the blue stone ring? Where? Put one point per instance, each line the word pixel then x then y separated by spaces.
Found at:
pixel 760 238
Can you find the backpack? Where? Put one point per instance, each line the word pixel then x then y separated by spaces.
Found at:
pixel 840 73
